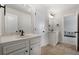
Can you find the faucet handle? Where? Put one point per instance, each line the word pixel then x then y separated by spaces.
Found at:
pixel 20 30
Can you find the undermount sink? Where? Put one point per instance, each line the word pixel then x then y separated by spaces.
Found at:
pixel 26 36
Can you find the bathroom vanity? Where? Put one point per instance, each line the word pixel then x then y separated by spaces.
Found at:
pixel 16 45
pixel 11 41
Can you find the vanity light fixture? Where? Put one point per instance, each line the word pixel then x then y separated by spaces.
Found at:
pixel 3 6
pixel 51 13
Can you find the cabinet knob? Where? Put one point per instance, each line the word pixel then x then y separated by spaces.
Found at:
pixel 26 51
pixel 31 49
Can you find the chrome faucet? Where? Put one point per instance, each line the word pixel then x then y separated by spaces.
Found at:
pixel 21 32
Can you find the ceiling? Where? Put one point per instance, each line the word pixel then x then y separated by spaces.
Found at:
pixel 58 7
pixel 21 7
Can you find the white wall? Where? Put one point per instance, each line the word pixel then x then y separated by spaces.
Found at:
pixel 40 23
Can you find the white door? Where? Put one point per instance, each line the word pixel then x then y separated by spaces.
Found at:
pixel 24 51
pixel 35 50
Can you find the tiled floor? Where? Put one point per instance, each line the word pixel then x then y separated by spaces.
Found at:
pixel 60 49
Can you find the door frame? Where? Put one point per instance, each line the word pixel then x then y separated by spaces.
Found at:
pixel 78 32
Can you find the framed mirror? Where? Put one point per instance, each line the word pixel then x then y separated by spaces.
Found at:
pixel 17 19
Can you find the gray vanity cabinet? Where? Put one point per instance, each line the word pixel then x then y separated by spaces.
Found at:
pixel 16 48
pixel 22 47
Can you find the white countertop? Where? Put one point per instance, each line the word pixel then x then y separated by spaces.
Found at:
pixel 10 38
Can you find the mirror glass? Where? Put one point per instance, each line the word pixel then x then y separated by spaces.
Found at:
pixel 17 19
pixel 11 23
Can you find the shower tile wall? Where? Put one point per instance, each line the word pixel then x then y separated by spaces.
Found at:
pixel 70 29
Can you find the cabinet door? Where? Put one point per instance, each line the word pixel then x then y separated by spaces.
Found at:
pixel 35 49
pixel 24 51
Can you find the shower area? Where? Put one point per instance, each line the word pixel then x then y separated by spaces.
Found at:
pixel 70 30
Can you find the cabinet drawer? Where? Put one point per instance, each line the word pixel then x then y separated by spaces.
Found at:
pixel 34 41
pixel 24 51
pixel 13 47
